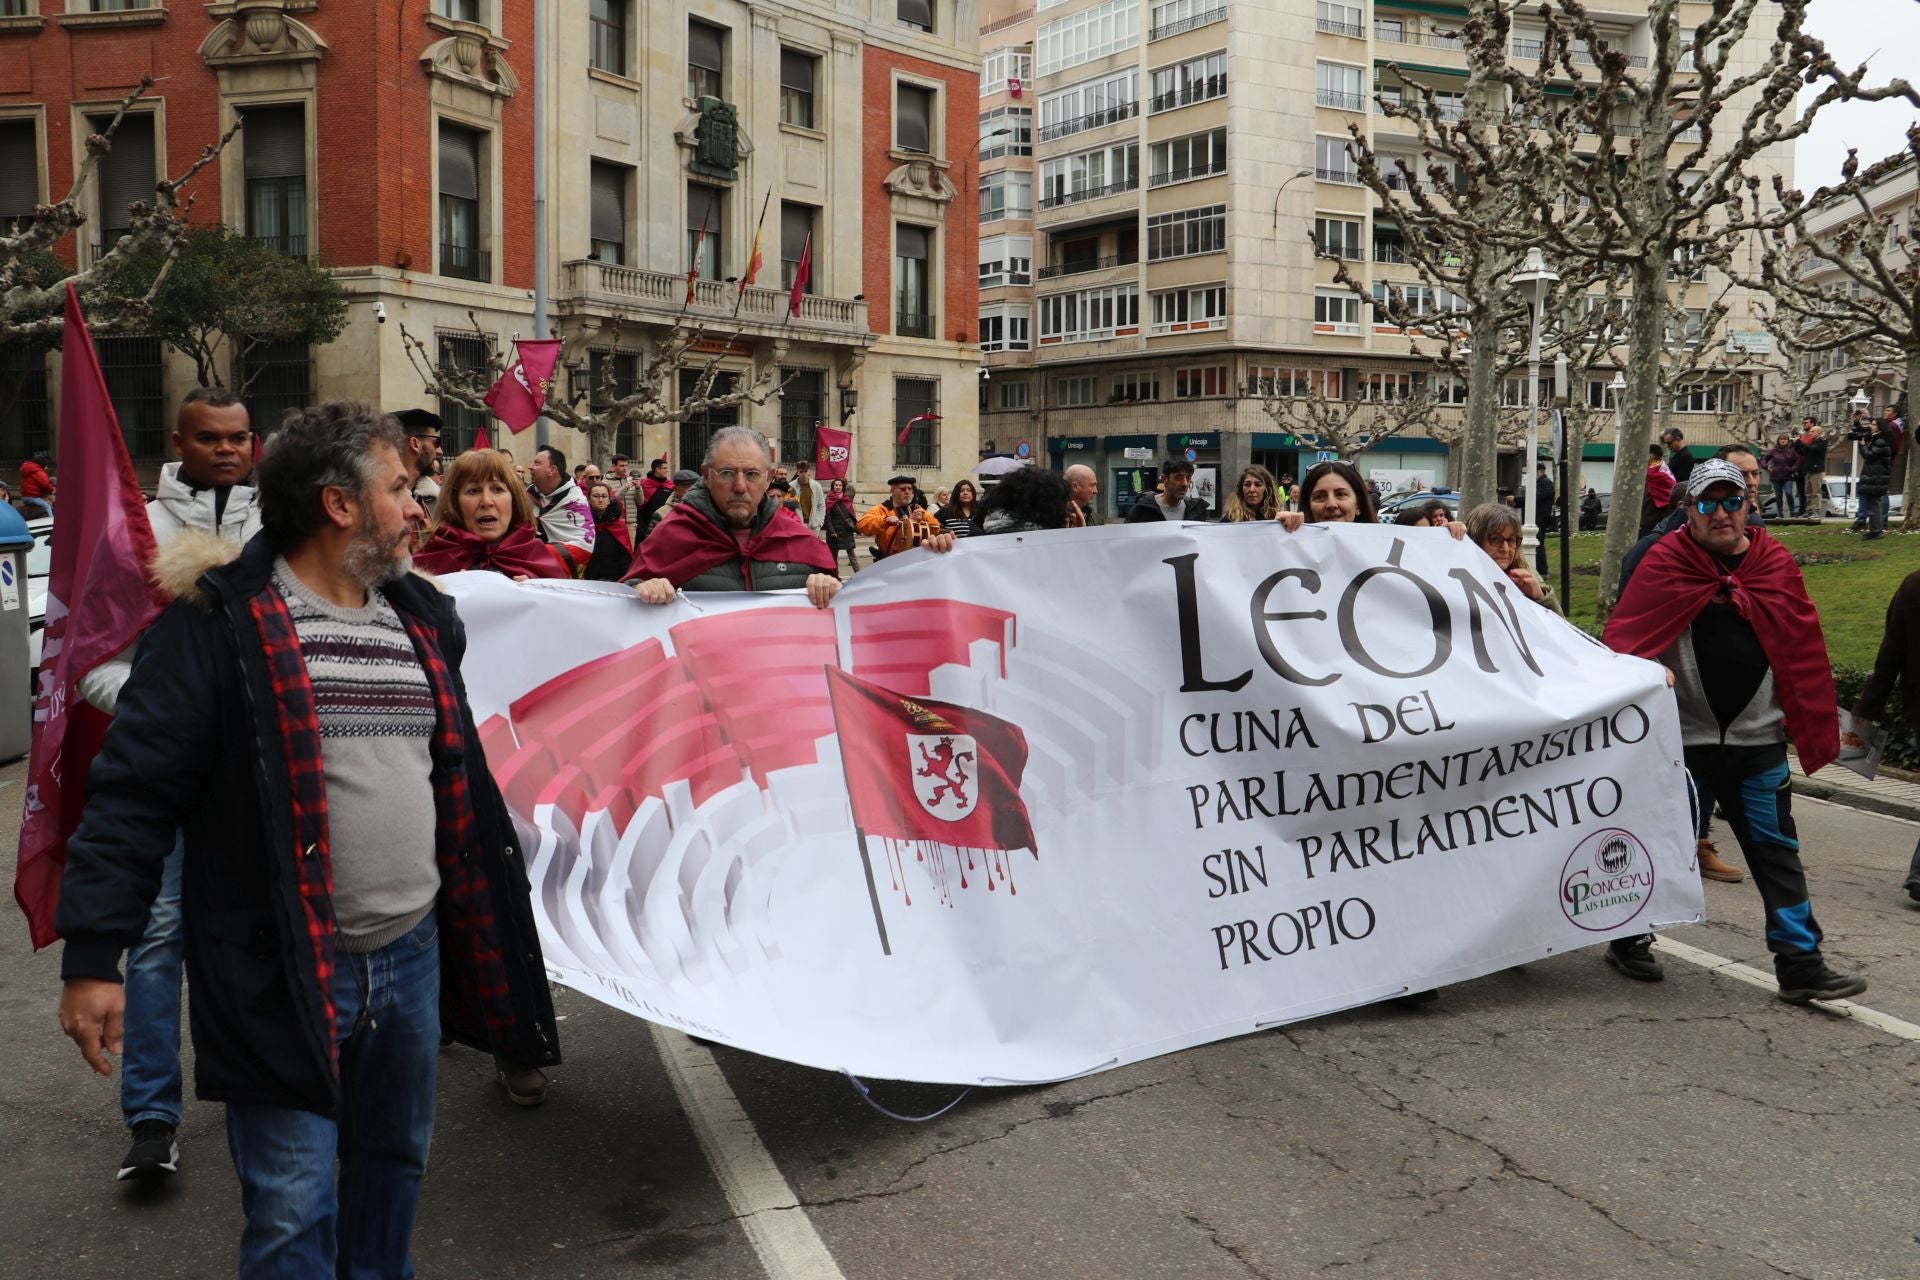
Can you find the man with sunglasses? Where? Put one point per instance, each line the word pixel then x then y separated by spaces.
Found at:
pixel 1722 606
pixel 423 450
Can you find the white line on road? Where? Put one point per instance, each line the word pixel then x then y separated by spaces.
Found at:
pixel 770 1213
pixel 1747 973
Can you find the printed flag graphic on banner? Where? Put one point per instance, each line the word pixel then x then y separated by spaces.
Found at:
pixel 517 398
pixel 98 601
pixel 836 452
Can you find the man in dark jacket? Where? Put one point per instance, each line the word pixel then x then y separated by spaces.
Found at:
pixel 1172 502
pixel 350 886
pixel 1812 448
pixel 1898 663
pixel 1876 477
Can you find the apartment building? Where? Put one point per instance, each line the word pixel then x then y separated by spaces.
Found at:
pixel 1186 154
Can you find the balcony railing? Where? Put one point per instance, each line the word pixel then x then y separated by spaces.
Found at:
pixel 1532 49
pixel 1425 39
pixel 914 324
pixel 1089 193
pixel 667 290
pixel 1340 101
pixel 292 246
pixel 1092 120
pixel 1083 265
pixel 465 262
pixel 1194 23
pixel 1349 177
pixel 1390 252
pixel 1011 20
pixel 1353 30
pixel 1187 174
pixel 1200 91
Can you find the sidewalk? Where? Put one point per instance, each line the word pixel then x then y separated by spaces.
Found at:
pixel 1888 795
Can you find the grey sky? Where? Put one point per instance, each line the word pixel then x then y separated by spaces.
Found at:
pixel 1883 33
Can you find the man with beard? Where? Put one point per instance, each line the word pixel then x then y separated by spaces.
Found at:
pixel 298 710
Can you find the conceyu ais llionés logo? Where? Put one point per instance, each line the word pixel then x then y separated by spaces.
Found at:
pixel 1608 880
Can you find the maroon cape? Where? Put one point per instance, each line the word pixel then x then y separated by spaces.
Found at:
pixel 519 553
pixel 687 543
pixel 1678 577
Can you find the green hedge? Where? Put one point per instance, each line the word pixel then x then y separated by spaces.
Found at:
pixel 1903 752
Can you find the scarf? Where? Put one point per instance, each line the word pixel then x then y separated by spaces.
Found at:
pixel 687 543
pixel 1678 577
pixel 839 500
pixel 612 523
pixel 518 552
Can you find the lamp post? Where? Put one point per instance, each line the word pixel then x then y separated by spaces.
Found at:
pixel 1534 279
pixel 1563 449
pixel 1857 401
pixel 1304 173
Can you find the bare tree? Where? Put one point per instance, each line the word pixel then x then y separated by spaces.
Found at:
pixel 1347 425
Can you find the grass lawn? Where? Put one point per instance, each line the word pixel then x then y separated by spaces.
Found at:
pixel 1851 593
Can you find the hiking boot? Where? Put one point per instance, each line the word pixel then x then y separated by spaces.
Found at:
pixel 1820 984
pixel 526 1086
pixel 1714 867
pixel 154 1153
pixel 1634 957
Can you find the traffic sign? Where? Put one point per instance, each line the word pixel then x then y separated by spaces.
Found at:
pixel 1325 455
pixel 1193 455
pixel 1023 450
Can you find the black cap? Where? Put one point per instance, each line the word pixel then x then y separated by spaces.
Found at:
pixel 418 422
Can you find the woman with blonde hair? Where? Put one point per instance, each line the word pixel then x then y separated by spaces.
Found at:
pixel 1254 497
pixel 1495 529
pixel 484 520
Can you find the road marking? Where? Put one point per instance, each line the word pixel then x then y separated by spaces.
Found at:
pixel 1754 977
pixel 771 1214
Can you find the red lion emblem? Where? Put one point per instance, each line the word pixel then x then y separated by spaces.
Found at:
pixel 949 768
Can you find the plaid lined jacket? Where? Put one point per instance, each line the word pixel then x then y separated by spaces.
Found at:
pixel 216 733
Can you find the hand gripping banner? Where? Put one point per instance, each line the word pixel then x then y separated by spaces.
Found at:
pixel 1055 802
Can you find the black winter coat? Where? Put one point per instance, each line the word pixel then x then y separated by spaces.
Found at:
pixel 1898 662
pixel 195 744
pixel 1876 465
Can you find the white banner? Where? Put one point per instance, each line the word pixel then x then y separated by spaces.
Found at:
pixel 1264 776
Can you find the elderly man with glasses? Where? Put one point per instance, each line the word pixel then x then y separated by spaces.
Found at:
pixel 1722 606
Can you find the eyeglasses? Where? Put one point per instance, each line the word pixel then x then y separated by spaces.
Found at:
pixel 1707 506
pixel 727 475
pixel 1498 541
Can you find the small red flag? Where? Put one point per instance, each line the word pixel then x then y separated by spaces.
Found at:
pixel 801 274
pixel 521 393
pixel 480 440
pixel 699 251
pixel 835 451
pixel 99 599
pixel 913 422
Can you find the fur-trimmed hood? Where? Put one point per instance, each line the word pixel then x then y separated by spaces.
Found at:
pixel 187 555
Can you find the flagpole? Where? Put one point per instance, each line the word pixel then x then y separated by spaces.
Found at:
pixel 873 891
pixel 740 294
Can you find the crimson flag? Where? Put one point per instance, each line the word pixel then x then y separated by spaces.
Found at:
pixel 699 250
pixel 521 393
pixel 835 452
pixel 931 771
pixel 913 422
pixel 801 274
pixel 480 440
pixel 99 599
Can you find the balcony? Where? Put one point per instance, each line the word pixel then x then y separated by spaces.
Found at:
pixel 1393 252
pixel 1190 174
pixel 292 246
pixel 1340 101
pixel 1011 20
pixel 1346 177
pixel 1450 41
pixel 1351 30
pixel 465 262
pixel 1202 91
pixel 1194 23
pixel 604 288
pixel 1092 120
pixel 1084 194
pixel 915 324
pixel 1084 265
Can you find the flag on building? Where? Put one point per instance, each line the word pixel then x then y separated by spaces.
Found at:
pixel 907 429
pixel 753 258
pixel 833 453
pixel 521 393
pixel 801 275
pixel 1014 86
pixel 99 599
pixel 699 252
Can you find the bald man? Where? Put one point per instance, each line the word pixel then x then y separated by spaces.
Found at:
pixel 1083 486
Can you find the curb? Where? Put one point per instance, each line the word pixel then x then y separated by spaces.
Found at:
pixel 1866 802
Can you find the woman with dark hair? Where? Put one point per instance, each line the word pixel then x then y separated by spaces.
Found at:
pixel 1495 529
pixel 1255 497
pixel 484 520
pixel 612 548
pixel 1432 514
pixel 958 514
pixel 1334 493
pixel 840 525
pixel 1024 501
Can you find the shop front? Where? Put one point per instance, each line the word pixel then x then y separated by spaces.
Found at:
pixel 1128 479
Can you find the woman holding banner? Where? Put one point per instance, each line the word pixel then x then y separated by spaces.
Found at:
pixel 1334 493
pixel 1495 529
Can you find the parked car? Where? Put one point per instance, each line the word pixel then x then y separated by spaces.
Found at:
pixel 1839 499
pixel 1394 506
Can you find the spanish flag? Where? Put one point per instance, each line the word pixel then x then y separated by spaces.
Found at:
pixel 753 259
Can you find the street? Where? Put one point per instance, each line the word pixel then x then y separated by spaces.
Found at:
pixel 1555 1120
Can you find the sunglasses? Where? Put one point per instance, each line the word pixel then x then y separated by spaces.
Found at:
pixel 1707 506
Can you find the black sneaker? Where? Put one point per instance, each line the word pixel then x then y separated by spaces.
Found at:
pixel 1821 984
pixel 1634 957
pixel 154 1153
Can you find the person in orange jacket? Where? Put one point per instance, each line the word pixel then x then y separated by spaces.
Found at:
pixel 900 523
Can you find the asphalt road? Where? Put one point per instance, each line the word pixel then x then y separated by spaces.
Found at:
pixel 1555 1121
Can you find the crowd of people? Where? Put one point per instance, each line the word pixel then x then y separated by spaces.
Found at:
pixel 283 799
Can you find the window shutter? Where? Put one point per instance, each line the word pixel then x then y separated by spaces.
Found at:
pixel 609 212
pixel 459 162
pixel 913 119
pixel 917 12
pixel 796 220
pixel 127 172
pixel 796 70
pixel 276 142
pixel 704 45
pixel 912 241
pixel 19 169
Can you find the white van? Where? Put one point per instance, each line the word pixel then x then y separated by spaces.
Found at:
pixel 1839 501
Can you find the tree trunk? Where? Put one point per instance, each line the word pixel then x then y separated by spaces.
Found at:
pixel 1910 491
pixel 1479 442
pixel 600 437
pixel 1645 339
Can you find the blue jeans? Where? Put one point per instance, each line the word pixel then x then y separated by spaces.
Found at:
pixel 150 1064
pixel 302 1223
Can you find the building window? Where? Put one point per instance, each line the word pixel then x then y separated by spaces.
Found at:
pixel 461 354
pixel 706 60
pixel 796 230
pixel 1017 140
pixel 1703 399
pixel 1075 393
pixel 1293 384
pixel 1180 159
pixel 913 118
pixel 1337 238
pixel 1600 395
pixel 1006 195
pixel 1010 69
pixel 706 212
pixel 912 272
pixel 1135 388
pixel 459 10
pixel 125 174
pixel 1090 175
pixel 1089 104
pixel 275 144
pixel 1089 314
pixel 460 253
pixel 25 428
pixel 274 377
pixel 1008 328
pixel 607 30
pixel 698 428
pixel 1386 388
pixel 1338 19
pixel 1332 163
pixel 797 72
pixel 917 14
pixel 607 211
pixel 1335 311
pixel 803 402
pixel 1184 15
pixel 1016 394
pixel 132 365
pixel 1089 34
pixel 1197 80
pixel 1005 260
pixel 1187 232
pixel 1340 87
pixel 1189 310
pixel 19 176
pixel 916 401
pixel 1206 381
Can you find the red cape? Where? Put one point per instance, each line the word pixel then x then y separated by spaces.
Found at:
pixel 519 552
pixel 1678 577
pixel 687 543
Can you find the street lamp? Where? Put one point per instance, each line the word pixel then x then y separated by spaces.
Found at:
pixel 1857 402
pixel 1304 173
pixel 1534 279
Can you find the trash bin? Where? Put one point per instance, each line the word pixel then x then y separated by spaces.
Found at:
pixel 16 693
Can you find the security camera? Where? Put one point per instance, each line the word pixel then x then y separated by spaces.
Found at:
pixel 380 312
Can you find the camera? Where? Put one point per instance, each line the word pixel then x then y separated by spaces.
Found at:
pixel 380 311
